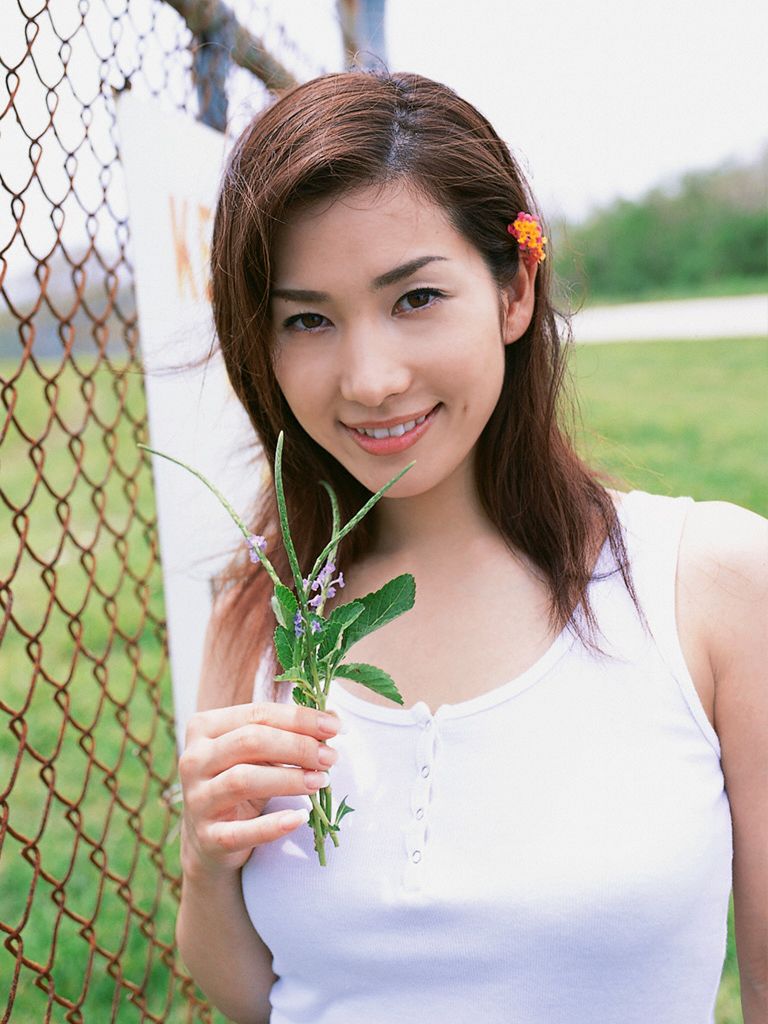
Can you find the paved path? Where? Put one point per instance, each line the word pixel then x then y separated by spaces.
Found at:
pixel 687 319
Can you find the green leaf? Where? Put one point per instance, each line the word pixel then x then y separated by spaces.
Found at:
pixel 288 605
pixel 284 647
pixel 293 674
pixel 375 679
pixel 382 606
pixel 337 622
pixel 341 810
pixel 303 698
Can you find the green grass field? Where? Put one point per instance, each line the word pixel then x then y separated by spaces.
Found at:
pixel 679 417
pixel 721 288
pixel 94 729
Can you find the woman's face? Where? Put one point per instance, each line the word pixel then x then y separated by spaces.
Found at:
pixel 384 314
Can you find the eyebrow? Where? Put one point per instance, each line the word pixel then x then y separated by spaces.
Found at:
pixel 382 281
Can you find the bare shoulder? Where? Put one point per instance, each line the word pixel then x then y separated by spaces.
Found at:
pixel 721 598
pixel 724 561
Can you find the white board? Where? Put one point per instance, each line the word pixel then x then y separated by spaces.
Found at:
pixel 172 167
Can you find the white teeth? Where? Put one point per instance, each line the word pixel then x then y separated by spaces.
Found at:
pixel 398 431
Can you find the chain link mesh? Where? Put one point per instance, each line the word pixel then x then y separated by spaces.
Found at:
pixel 89 871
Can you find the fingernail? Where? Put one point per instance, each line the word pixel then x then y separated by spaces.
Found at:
pixel 293 818
pixel 316 780
pixel 327 756
pixel 328 724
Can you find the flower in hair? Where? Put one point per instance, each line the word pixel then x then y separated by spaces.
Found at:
pixel 527 230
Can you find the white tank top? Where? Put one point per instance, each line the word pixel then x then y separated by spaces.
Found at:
pixel 554 851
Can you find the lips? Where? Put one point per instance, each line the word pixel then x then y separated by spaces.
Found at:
pixel 394 421
pixel 394 439
pixel 396 431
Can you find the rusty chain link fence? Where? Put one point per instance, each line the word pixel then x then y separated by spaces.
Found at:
pixel 89 870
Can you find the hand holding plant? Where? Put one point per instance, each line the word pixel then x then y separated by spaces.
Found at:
pixel 310 647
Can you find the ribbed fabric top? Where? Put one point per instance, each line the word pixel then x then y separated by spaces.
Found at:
pixel 555 850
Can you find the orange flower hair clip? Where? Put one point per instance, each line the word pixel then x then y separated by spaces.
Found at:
pixel 527 230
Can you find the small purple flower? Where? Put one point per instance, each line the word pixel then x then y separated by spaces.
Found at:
pixel 298 628
pixel 324 586
pixel 315 626
pixel 254 542
pixel 326 572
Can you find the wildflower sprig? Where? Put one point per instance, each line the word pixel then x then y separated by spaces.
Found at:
pixel 310 646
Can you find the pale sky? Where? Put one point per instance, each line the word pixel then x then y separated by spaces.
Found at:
pixel 599 98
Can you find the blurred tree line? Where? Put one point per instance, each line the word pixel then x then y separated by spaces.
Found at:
pixel 705 234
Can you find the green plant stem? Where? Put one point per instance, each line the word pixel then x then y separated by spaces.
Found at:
pixel 319 695
pixel 333 543
pixel 233 515
pixel 328 800
pixel 318 807
pixel 319 820
pixel 322 819
pixel 282 509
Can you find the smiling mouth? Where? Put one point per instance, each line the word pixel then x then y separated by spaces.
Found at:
pixel 398 431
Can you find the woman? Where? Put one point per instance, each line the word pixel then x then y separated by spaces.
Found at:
pixel 543 831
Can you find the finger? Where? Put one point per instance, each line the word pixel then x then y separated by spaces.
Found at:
pixel 290 717
pixel 255 782
pixel 233 836
pixel 262 744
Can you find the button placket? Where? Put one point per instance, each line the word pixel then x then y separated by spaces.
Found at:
pixel 421 791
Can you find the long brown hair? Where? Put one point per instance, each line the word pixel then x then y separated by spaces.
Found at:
pixel 324 138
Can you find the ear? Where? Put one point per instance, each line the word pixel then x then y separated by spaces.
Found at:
pixel 518 300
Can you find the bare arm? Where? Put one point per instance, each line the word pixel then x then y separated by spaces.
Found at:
pixel 221 949
pixel 228 774
pixel 733 560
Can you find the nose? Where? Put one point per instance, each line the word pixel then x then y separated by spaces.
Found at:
pixel 373 368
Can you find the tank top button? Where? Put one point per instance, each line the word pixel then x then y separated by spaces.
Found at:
pixel 416 856
pixel 420 813
pixel 425 772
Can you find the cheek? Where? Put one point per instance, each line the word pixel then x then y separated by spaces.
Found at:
pixel 473 359
pixel 306 386
pixel 299 382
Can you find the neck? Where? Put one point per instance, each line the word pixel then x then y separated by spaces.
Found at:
pixel 444 524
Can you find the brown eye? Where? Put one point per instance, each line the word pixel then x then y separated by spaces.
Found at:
pixel 421 298
pixel 304 322
pixel 310 320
